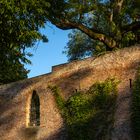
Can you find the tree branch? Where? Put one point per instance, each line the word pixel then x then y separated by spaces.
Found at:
pixel 92 33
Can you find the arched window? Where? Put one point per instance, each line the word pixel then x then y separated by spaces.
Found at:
pixel 34 110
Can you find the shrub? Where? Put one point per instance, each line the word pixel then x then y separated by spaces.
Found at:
pixel 89 115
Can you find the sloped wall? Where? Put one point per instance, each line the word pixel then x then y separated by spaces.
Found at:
pixel 15 98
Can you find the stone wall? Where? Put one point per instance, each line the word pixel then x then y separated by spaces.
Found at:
pixel 15 98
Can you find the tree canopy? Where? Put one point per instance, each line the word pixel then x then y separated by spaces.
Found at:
pixel 120 18
pixel 80 46
pixel 20 22
pixel 106 24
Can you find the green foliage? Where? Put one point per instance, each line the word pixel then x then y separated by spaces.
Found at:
pixel 107 24
pixel 20 22
pixel 136 107
pixel 59 99
pixel 100 25
pixel 89 115
pixel 12 71
pixel 81 46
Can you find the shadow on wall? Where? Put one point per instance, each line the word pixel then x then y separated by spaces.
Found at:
pixel 9 91
pixel 8 116
pixel 68 83
pixel 31 133
pixel 71 82
pixel 59 135
pixel 8 106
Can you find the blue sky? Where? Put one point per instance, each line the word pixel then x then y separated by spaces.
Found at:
pixel 46 55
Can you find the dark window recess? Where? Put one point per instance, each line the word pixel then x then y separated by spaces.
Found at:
pixel 35 110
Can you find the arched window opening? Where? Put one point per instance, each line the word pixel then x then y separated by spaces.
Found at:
pixel 34 110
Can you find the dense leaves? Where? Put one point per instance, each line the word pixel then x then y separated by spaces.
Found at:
pixel 89 115
pixel 20 22
pixel 81 46
pixel 109 23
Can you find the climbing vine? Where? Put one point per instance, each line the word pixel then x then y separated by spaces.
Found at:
pixel 89 115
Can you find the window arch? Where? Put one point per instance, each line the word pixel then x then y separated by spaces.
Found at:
pixel 34 110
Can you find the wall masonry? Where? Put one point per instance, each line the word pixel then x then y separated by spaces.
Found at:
pixel 15 98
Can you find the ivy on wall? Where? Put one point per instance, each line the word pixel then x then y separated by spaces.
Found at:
pixel 136 107
pixel 89 115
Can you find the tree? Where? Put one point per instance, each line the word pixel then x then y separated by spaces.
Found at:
pixel 113 23
pixel 81 46
pixel 20 22
pixel 121 19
